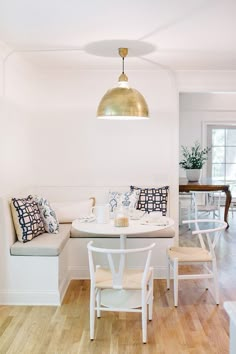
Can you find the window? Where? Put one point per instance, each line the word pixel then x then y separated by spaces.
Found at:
pixel 221 163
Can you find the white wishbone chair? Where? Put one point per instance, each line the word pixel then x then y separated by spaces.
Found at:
pixel 211 203
pixel 205 254
pixel 118 278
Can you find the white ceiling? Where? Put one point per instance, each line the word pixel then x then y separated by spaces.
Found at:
pixel 182 34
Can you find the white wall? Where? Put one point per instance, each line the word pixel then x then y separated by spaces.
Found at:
pixel 201 81
pixel 50 134
pixel 64 143
pixel 53 137
pixel 15 147
pixel 198 109
pixel 16 152
pixel 75 148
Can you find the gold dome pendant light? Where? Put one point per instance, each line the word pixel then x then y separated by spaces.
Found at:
pixel 123 102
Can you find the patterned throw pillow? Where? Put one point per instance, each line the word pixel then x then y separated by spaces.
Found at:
pixel 128 199
pixel 26 218
pixel 152 199
pixel 48 215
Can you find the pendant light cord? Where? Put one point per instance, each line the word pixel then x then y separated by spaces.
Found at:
pixel 123 53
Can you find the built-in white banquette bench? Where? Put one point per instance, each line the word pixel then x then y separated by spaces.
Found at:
pixel 38 272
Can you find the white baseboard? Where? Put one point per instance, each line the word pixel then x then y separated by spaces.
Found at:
pixel 64 286
pixel 50 298
pixel 54 298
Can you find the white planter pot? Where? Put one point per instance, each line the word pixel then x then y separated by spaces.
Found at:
pixel 193 175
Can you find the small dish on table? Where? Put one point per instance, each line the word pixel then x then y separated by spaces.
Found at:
pixel 155 218
pixel 136 214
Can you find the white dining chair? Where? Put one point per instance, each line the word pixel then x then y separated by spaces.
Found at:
pixel 232 207
pixel 204 255
pixel 119 278
pixel 186 206
pixel 206 204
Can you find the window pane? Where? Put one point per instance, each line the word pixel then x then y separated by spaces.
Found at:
pixel 218 137
pixel 231 137
pixel 230 154
pixel 218 171
pixel 218 154
pixel 231 172
pixel 221 164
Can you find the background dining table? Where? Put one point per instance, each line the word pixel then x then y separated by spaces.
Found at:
pixel 207 184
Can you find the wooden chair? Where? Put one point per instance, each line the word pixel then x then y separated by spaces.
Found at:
pixel 205 255
pixel 120 279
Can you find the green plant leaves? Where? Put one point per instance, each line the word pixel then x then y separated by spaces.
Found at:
pixel 194 157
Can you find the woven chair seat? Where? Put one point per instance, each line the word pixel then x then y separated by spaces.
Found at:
pixel 187 254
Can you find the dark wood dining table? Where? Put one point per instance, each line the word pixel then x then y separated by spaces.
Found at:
pixel 207 184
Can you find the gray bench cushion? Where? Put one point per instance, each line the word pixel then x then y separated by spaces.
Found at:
pixel 165 233
pixel 43 245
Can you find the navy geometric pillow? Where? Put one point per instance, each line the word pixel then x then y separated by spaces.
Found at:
pixel 152 199
pixel 27 219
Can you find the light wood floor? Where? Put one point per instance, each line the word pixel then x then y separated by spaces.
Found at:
pixel 197 326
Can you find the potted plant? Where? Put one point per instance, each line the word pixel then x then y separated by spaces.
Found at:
pixel 193 160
